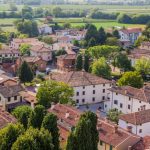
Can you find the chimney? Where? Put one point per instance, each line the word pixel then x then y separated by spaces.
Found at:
pixel 129 147
pixel 67 114
pixel 129 129
pixel 115 129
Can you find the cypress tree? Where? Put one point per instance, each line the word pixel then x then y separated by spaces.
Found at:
pixel 25 73
pixel 79 62
pixel 101 36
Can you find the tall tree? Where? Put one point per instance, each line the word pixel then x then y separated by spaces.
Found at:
pixel 36 116
pixel 86 62
pixel 22 114
pixel 79 62
pixel 85 135
pixel 92 42
pixel 34 139
pixel 25 49
pixel 115 33
pixel 25 73
pixel 50 123
pixel 101 36
pixel 9 135
pixel 133 79
pixel 101 68
pixel 52 91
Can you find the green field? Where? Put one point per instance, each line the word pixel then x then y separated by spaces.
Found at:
pixel 8 23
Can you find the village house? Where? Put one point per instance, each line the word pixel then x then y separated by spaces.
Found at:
pixel 111 137
pixel 137 54
pixel 36 63
pixel 8 55
pixel 139 122
pixel 6 118
pixel 66 62
pixel 145 45
pixel 128 99
pixel 130 34
pixel 7 81
pixel 44 51
pixel 10 96
pixel 88 88
pixel 17 42
pixel 45 29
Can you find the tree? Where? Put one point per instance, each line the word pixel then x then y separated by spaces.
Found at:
pixel 115 33
pixel 85 135
pixel 52 91
pixel 101 36
pixel 112 41
pixel 113 115
pixel 133 79
pixel 101 68
pixel 76 43
pixel 9 135
pixel 50 123
pixel 27 12
pixel 124 18
pixel 92 42
pixel 146 32
pixel 47 40
pixel 123 62
pixel 25 49
pixel 66 25
pixel 36 116
pixel 25 73
pixel 34 139
pixel 79 62
pixel 22 114
pixel 86 62
pixel 57 11
pixel 12 7
pixel 143 66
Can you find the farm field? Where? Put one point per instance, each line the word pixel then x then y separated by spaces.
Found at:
pixel 8 23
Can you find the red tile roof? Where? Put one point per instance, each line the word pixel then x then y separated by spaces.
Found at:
pixel 67 56
pixel 78 78
pixel 142 94
pixel 137 118
pixel 131 30
pixel 6 118
pixel 41 48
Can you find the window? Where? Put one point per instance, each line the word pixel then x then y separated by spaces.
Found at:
pixel 5 55
pixel 121 105
pixel 139 101
pixel 77 101
pixel 103 90
pixel 140 131
pixel 129 98
pixel 129 107
pixel 0 98
pixel 101 143
pixel 83 93
pixel 15 98
pixel 105 106
pixel 77 93
pixel 103 84
pixel 9 99
pixel 83 100
pixel 116 93
pixel 110 147
pixel 83 87
pixel 115 102
pixel 21 99
pixel 103 98
pixel 93 86
pixel 93 99
pixel 138 109
pixel 93 91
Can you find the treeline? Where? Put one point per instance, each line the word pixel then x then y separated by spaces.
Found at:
pixel 135 19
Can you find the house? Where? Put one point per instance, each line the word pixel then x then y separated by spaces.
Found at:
pixel 45 29
pixel 36 63
pixel 111 137
pixel 128 99
pixel 8 55
pixel 145 45
pixel 130 34
pixel 137 54
pixel 88 88
pixel 144 144
pixel 66 62
pixel 7 81
pixel 6 118
pixel 139 122
pixel 10 96
pixel 17 42
pixel 44 51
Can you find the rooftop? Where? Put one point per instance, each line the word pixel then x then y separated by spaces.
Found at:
pixel 41 48
pixel 131 30
pixel 78 78
pixel 6 118
pixel 142 94
pixel 67 56
pixel 137 118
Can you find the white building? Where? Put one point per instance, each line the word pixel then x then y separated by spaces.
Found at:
pixel 128 99
pixel 130 34
pixel 88 88
pixel 45 29
pixel 138 122
pixel 43 51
